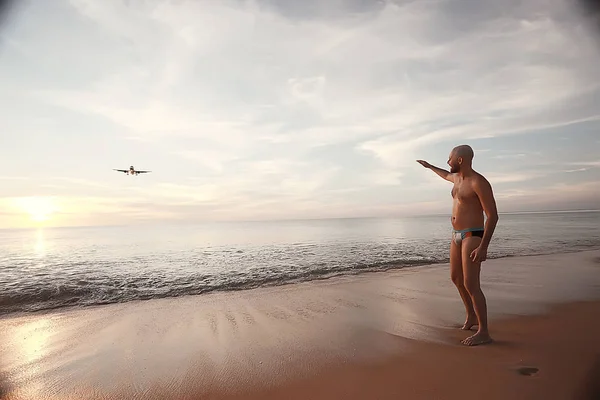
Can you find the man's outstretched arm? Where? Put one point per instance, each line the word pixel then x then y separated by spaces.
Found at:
pixel 447 175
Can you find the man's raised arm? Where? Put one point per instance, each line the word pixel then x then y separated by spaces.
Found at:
pixel 447 175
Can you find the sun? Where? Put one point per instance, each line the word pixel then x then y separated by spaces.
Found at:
pixel 40 209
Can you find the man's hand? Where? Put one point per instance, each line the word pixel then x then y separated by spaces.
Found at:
pixel 441 172
pixel 424 163
pixel 479 254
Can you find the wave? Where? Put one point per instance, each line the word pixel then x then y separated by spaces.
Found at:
pixel 50 293
pixel 88 287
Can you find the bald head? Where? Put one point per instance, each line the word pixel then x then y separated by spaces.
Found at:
pixel 460 158
pixel 464 151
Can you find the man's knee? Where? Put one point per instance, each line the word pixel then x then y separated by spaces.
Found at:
pixel 472 285
pixel 457 278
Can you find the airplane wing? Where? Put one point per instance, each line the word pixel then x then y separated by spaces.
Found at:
pixel 120 170
pixel 142 172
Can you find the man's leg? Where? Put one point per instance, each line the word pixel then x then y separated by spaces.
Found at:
pixel 456 274
pixel 471 272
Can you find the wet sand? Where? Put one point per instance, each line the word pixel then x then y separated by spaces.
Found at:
pixel 381 335
pixel 555 356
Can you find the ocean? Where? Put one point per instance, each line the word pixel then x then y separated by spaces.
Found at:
pixel 74 267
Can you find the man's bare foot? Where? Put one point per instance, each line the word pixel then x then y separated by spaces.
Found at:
pixel 469 323
pixel 477 339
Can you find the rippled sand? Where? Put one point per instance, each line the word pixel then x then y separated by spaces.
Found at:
pixel 227 342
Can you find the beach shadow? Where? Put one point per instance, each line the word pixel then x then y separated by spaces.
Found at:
pixel 590 388
pixel 527 370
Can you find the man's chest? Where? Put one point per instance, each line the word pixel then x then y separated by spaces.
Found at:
pixel 462 191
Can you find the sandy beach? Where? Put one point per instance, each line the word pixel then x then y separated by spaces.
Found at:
pixel 379 335
pixel 554 356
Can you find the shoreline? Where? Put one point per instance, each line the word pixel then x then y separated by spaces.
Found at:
pixel 280 335
pixel 346 274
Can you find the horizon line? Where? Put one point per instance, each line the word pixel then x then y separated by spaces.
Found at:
pixel 291 219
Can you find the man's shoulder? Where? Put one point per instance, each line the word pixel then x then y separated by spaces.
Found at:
pixel 480 176
pixel 480 179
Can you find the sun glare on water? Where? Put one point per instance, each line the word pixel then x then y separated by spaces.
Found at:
pixel 39 209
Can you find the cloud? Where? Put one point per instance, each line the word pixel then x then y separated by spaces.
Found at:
pixel 576 170
pixel 247 108
pixel 211 158
pixel 386 177
pixel 553 197
pixel 584 166
pixel 507 88
pixel 509 156
pixel 509 178
pixel 593 164
pixel 468 94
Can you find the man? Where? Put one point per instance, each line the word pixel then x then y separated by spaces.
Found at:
pixel 472 197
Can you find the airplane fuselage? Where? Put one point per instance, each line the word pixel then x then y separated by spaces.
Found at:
pixel 131 171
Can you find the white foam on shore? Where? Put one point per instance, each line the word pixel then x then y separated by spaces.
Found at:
pixel 272 333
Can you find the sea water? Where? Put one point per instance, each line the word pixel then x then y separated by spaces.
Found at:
pixel 60 267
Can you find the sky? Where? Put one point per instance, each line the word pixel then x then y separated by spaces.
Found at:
pixel 264 109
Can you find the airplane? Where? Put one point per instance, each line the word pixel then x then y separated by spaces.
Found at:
pixel 131 171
